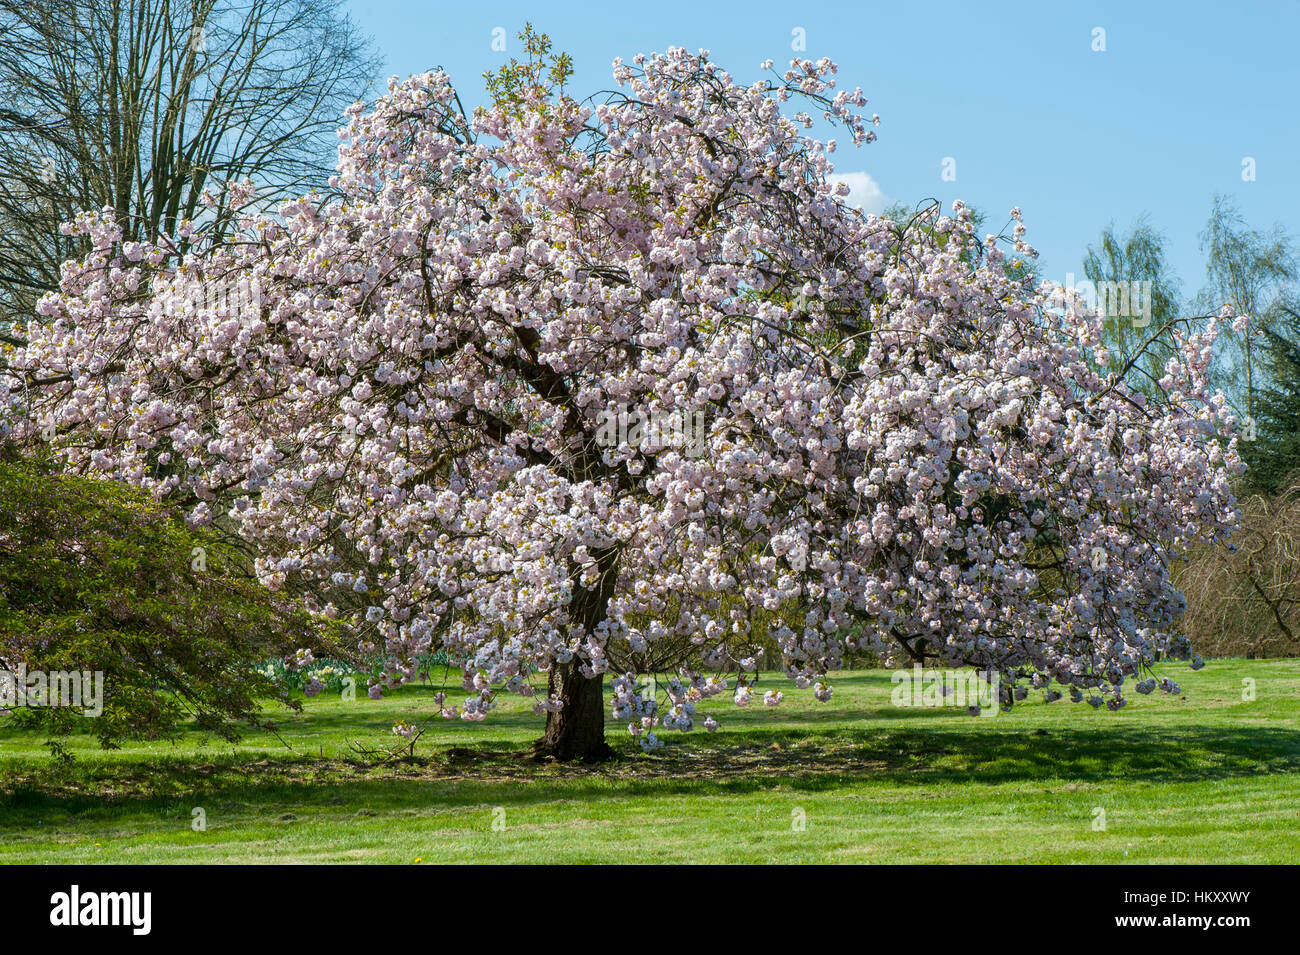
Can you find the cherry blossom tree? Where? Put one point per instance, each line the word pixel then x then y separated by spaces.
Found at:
pixel 623 386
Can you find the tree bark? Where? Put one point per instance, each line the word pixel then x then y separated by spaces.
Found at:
pixel 577 732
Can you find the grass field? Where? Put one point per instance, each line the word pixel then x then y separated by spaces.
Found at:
pixel 1207 777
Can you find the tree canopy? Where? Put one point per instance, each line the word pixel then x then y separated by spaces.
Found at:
pixel 96 579
pixel 848 433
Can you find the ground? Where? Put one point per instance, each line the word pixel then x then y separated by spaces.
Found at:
pixel 1205 777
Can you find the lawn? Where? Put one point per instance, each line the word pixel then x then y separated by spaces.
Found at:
pixel 1205 777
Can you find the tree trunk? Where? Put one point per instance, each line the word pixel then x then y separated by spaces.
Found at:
pixel 577 732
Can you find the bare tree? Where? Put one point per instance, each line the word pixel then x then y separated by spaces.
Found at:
pixel 143 105
pixel 1245 601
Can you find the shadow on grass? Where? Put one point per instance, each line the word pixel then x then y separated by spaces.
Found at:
pixel 930 757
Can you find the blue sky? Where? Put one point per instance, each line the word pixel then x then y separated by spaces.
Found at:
pixel 1014 93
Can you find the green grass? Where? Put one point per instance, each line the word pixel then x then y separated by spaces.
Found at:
pixel 1206 777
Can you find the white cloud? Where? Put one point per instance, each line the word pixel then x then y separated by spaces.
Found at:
pixel 864 192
